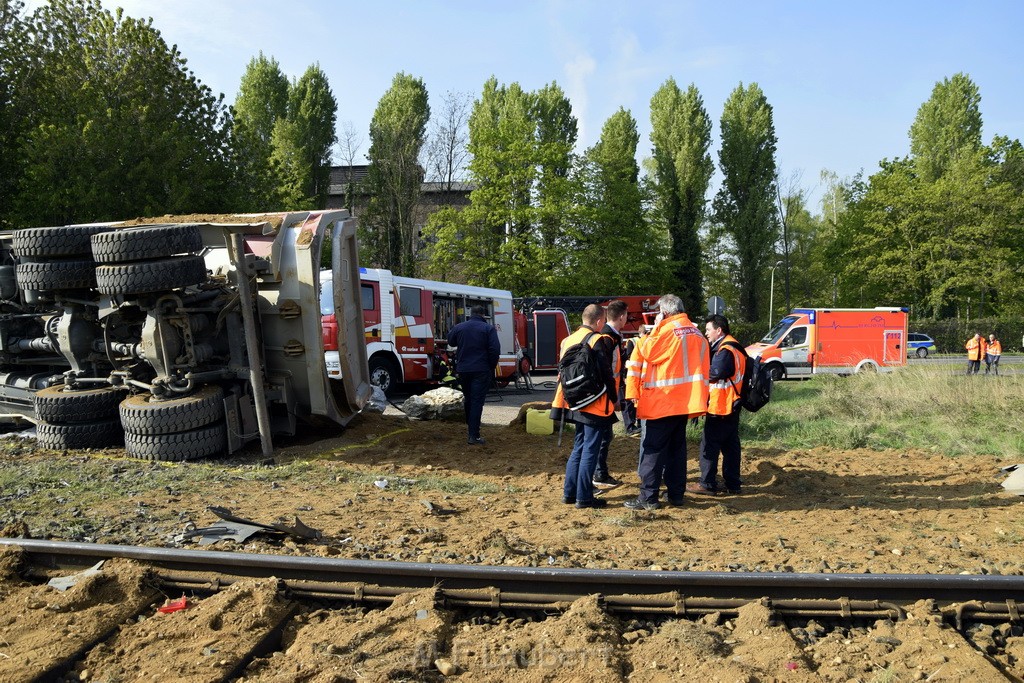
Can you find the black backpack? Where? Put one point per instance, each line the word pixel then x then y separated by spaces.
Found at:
pixel 756 390
pixel 580 375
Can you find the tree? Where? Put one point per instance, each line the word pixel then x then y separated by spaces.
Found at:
pixel 396 138
pixel 610 223
pixel 447 143
pixel 681 135
pixel 556 138
pixel 120 127
pixel 947 126
pixel 745 204
pixel 262 101
pixel 492 241
pixel 15 107
pixel 312 113
pixel 349 143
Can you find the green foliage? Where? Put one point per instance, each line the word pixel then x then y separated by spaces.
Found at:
pixel 15 103
pixel 745 204
pixel 396 138
pixel 262 101
pixel 496 237
pixel 313 113
pixel 118 125
pixel 928 408
pixel 681 135
pixel 947 127
pixel 951 335
pixel 610 248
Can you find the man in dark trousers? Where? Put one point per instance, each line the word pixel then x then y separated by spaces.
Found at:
pixel 476 355
pixel 722 424
pixel 615 317
pixel 667 379
pixel 591 419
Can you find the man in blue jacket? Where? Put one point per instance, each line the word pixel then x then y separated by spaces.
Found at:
pixel 476 356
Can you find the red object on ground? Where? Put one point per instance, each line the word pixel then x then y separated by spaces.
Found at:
pixel 174 605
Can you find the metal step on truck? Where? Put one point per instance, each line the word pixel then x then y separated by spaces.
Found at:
pixel 180 337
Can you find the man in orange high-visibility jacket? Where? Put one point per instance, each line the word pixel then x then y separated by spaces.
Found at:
pixel 667 378
pixel 975 352
pixel 992 353
pixel 591 420
pixel 722 424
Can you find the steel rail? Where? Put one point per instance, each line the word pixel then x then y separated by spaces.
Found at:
pixel 677 593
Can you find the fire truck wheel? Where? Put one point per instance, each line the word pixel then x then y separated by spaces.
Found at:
pixel 57 242
pixel 384 374
pixel 60 437
pixel 150 276
pixel 57 406
pixel 191 445
pixel 142 415
pixel 777 372
pixel 140 244
pixel 54 275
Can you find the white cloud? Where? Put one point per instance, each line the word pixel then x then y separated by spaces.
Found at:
pixel 577 73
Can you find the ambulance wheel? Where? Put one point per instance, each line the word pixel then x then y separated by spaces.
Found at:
pixel 922 352
pixel 777 372
pixel 384 374
pixel 867 368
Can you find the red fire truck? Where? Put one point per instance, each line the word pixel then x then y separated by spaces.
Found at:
pixel 543 322
pixel 406 323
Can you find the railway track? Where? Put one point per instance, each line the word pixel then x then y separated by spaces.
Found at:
pixel 284 590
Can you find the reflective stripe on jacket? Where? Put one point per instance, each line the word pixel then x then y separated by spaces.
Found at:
pixel 602 407
pixel 995 348
pixel 668 371
pixel 724 393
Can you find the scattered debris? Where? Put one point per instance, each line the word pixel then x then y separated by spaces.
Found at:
pixel 62 583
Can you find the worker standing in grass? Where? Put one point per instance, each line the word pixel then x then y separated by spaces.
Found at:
pixel 668 379
pixel 992 354
pixel 722 424
pixel 975 352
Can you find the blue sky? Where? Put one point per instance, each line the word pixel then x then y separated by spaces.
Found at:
pixel 845 79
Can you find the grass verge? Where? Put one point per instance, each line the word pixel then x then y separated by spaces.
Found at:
pixel 927 408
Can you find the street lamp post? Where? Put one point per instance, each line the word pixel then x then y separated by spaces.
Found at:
pixel 771 296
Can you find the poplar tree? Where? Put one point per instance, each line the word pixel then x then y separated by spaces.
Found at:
pixel 681 137
pixel 745 204
pixel 947 126
pixel 262 101
pixel 397 134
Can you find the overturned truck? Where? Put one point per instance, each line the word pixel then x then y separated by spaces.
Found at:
pixel 184 338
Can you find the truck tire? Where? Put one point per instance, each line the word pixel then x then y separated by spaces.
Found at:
pixel 143 416
pixel 56 242
pixel 140 244
pixel 145 277
pixel 56 275
pixel 56 406
pixel 61 437
pixel 384 374
pixel 191 445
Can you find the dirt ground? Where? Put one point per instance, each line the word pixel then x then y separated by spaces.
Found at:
pixel 388 488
